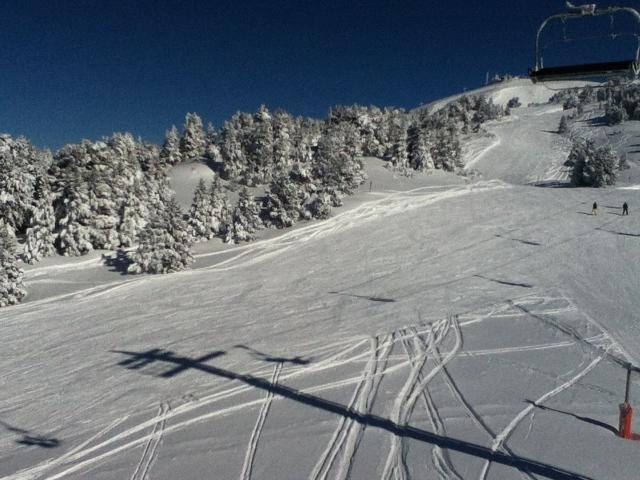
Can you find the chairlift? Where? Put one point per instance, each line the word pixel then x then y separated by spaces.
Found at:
pixel 603 70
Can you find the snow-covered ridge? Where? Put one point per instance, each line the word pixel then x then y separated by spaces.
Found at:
pixel 502 92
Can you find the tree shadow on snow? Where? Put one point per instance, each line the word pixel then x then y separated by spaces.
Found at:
pixel 182 364
pixel 551 184
pixel 29 439
pixel 119 262
pixel 591 421
pixel 373 299
pixel 619 233
pixel 526 242
pixel 297 360
pixel 503 282
pixel 598 122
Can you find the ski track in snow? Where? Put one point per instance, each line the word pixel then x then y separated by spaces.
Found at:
pixel 388 205
pixel 412 390
pixel 476 155
pixel 502 437
pixel 395 466
pixel 548 319
pixel 247 467
pixel 441 459
pixel 87 456
pixel 346 437
pixel 150 451
pixel 337 460
pixel 457 393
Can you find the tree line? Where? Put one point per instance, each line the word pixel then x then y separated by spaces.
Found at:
pixel 115 193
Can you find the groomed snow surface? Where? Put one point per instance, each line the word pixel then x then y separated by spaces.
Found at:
pixel 433 328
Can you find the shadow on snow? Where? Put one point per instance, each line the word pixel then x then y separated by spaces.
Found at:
pixel 372 299
pixel 503 282
pixel 138 359
pixel 297 360
pixel 619 233
pixel 591 421
pixel 526 242
pixel 29 439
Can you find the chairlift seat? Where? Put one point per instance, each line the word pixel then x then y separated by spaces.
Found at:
pixel 589 70
pixel 606 70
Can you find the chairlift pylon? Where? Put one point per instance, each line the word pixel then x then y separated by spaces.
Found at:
pixel 602 70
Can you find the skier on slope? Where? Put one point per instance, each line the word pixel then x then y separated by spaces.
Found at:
pixel 625 209
pixel 594 209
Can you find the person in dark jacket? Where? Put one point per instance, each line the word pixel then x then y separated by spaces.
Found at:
pixel 594 209
pixel 625 209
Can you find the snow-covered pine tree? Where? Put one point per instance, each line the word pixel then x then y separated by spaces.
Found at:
pixel 245 220
pixel 132 221
pixel 284 202
pixel 114 184
pixel 260 149
pixel 170 152
pixel 336 164
pixel 303 143
pixel 398 154
pixel 514 102
pixel 593 166
pixel 234 161
pixel 418 148
pixel 164 244
pixel 105 216
pixel 282 144
pixel 211 150
pixel 40 237
pixel 12 288
pixel 73 219
pixel 133 188
pixel 193 141
pixel 369 122
pixel 615 114
pixel 320 207
pixel 446 150
pixel 220 208
pixel 199 216
pixel 20 164
pixel 563 126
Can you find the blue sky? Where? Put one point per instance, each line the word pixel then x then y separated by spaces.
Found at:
pixel 84 69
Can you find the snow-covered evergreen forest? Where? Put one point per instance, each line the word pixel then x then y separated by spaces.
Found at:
pixel 114 193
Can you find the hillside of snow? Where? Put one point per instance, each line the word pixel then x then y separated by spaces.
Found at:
pixel 522 88
pixel 434 327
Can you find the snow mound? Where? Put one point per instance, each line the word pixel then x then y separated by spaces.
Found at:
pixel 184 178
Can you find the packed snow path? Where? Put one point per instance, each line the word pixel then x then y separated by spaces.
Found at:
pixel 439 332
pixel 507 152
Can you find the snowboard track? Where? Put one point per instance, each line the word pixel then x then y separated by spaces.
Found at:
pixel 150 451
pixel 247 467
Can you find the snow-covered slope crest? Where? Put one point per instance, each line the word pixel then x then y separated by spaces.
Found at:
pixel 523 88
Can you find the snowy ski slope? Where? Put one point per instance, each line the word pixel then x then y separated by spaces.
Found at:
pixel 432 328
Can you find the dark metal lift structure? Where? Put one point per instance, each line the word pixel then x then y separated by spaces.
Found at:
pixel 605 70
